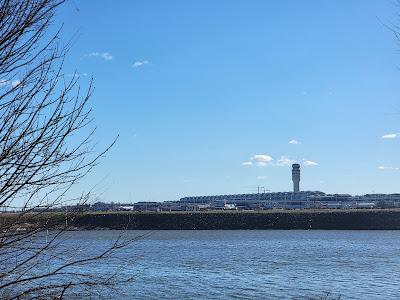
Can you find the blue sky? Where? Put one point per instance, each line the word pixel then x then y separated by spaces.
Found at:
pixel 207 95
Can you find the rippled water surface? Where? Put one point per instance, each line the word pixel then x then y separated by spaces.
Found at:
pixel 258 264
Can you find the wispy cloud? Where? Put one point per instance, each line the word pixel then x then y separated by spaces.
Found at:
pixel 387 168
pixel 389 136
pixel 9 83
pixel 307 162
pixel 285 161
pixel 102 55
pixel 263 160
pixel 294 142
pixel 261 177
pixel 77 75
pixel 140 63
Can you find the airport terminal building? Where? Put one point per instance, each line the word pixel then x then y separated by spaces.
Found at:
pixel 296 199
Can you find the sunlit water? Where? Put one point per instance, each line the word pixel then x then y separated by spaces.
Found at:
pixel 256 264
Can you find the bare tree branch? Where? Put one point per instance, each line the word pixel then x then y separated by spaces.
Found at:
pixel 46 147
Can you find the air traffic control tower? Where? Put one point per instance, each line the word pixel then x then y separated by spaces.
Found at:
pixel 296 177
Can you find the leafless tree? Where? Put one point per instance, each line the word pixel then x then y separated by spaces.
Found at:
pixel 45 148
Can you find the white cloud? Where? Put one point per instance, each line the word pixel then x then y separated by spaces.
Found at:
pixel 261 177
pixel 76 75
pixel 389 136
pixel 309 162
pixel 261 160
pixel 387 168
pixel 15 83
pixel 140 63
pixel 294 142
pixel 285 161
pixel 106 56
pixel 103 55
pixel 10 83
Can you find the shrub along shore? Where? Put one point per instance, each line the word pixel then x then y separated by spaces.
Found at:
pixel 361 219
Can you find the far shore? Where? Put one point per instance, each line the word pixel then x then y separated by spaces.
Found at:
pixel 327 219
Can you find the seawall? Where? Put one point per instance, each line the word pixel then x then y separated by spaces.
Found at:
pixel 383 219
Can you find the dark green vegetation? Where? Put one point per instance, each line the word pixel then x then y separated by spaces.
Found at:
pixel 383 219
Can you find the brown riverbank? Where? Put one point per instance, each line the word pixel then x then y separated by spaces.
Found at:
pixel 362 219
pixel 305 219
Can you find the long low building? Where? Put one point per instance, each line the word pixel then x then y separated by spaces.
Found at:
pixel 291 200
pixel 281 196
pixel 259 201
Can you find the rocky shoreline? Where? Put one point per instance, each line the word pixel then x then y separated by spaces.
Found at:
pixel 362 219
pixel 323 219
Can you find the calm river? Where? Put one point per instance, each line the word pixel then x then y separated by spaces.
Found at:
pixel 257 264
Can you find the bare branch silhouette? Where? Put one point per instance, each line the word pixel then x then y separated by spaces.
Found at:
pixel 46 147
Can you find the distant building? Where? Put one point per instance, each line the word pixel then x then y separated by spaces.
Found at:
pixel 260 201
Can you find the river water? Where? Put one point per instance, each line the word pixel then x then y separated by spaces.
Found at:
pixel 260 264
